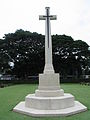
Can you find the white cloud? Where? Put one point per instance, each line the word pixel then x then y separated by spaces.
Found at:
pixel 72 17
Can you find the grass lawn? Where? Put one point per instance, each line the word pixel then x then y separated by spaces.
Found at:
pixel 10 96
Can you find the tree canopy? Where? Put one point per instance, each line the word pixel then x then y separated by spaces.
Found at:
pixel 22 54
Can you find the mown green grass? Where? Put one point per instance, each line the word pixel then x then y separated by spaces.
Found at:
pixel 10 96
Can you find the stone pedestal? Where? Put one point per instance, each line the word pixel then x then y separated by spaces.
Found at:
pixel 47 88
pixel 49 100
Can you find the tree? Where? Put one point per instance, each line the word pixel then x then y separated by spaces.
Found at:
pixel 69 55
pixel 26 51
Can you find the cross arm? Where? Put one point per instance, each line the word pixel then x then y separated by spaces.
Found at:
pixel 43 17
pixel 53 17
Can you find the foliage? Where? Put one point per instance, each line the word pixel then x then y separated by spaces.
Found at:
pixel 26 51
pixel 69 56
pixel 10 96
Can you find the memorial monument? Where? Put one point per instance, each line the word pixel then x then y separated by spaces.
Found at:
pixel 49 99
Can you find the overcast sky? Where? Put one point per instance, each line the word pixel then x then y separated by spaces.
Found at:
pixel 73 17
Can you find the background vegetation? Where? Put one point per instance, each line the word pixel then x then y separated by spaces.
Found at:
pixel 22 54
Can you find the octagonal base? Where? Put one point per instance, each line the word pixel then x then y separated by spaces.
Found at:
pixel 77 108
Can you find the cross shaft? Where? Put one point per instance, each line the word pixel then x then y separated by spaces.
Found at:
pixel 48 41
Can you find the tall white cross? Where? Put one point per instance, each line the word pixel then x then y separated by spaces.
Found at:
pixel 48 41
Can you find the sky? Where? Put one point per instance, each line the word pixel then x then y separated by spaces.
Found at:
pixel 73 17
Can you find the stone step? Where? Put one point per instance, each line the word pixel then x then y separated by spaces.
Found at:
pixel 49 103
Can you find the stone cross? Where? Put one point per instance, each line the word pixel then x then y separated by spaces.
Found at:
pixel 48 42
pixel 49 99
